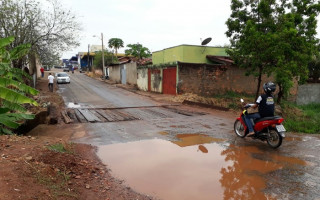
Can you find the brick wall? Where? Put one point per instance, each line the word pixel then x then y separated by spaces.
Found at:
pixel 207 80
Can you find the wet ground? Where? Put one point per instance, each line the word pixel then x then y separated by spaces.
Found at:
pixel 172 151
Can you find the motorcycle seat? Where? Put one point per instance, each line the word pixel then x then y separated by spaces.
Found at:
pixel 267 118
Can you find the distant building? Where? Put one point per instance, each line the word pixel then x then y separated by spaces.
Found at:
pixel 94 48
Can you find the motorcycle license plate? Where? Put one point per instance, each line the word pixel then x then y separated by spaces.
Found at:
pixel 280 128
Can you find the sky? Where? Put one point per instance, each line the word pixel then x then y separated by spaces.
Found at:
pixel 156 24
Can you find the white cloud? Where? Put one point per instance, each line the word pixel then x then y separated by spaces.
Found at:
pixel 157 24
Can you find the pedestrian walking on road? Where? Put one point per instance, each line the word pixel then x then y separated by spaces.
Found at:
pixel 50 85
pixel 42 72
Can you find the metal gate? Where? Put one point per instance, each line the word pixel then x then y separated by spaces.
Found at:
pixel 169 81
pixel 123 74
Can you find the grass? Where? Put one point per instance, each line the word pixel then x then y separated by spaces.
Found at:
pixel 233 95
pixel 59 147
pixel 304 119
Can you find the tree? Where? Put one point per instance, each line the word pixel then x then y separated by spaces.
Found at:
pixel 108 59
pixel 115 43
pixel 314 68
pixel 14 92
pixel 48 27
pixel 273 38
pixel 138 51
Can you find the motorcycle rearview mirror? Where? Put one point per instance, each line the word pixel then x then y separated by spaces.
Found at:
pixel 241 100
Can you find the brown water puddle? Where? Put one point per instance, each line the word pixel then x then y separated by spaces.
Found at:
pixel 192 168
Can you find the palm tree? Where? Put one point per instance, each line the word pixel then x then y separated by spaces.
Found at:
pixel 115 43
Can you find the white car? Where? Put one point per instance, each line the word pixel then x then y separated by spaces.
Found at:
pixel 62 77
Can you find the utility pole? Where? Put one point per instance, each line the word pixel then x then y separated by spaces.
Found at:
pixel 88 57
pixel 103 72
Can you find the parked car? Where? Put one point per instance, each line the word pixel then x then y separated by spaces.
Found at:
pixel 66 69
pixel 62 77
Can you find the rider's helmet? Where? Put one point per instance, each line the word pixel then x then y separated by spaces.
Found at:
pixel 269 87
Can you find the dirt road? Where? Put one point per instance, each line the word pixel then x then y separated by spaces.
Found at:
pixel 123 121
pixel 151 146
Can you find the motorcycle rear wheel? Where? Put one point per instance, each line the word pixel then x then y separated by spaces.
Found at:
pixel 239 129
pixel 274 139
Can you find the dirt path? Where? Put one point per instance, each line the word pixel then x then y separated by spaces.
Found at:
pixel 50 167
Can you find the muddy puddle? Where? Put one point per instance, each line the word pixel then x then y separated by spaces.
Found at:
pixel 195 166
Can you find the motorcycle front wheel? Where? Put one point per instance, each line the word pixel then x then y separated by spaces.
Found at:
pixel 239 129
pixel 274 139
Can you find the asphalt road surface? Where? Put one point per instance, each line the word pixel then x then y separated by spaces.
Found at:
pixel 172 151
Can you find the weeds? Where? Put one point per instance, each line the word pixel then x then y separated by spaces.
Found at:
pixel 61 148
pixel 56 184
pixel 305 119
pixel 233 95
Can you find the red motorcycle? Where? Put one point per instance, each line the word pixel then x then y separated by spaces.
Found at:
pixel 268 129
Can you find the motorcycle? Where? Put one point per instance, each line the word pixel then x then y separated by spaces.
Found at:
pixel 268 129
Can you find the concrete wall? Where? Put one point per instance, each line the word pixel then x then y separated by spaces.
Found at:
pixel 131 70
pixel 156 80
pixel 114 73
pixel 186 53
pixel 142 79
pixel 308 93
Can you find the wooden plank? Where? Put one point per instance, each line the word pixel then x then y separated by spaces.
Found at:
pixel 114 115
pixel 89 116
pixel 72 115
pixel 126 115
pixel 105 115
pixel 66 118
pixel 80 117
pixel 102 119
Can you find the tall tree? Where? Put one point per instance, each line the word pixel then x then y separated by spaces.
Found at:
pixel 273 37
pixel 108 59
pixel 115 43
pixel 314 68
pixel 48 27
pixel 138 51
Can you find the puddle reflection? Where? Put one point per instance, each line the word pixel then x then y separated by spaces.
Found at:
pixel 197 171
pixel 194 139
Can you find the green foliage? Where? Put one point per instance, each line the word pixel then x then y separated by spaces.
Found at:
pixel 233 95
pixel 115 43
pixel 138 51
pixel 108 59
pixel 304 119
pixel 14 92
pixel 159 66
pixel 314 68
pixel 273 37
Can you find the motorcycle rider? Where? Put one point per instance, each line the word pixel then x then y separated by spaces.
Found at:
pixel 266 106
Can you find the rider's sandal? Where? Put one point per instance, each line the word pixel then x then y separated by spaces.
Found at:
pixel 250 134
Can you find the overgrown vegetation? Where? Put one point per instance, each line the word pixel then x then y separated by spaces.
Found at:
pixel 14 93
pixel 304 119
